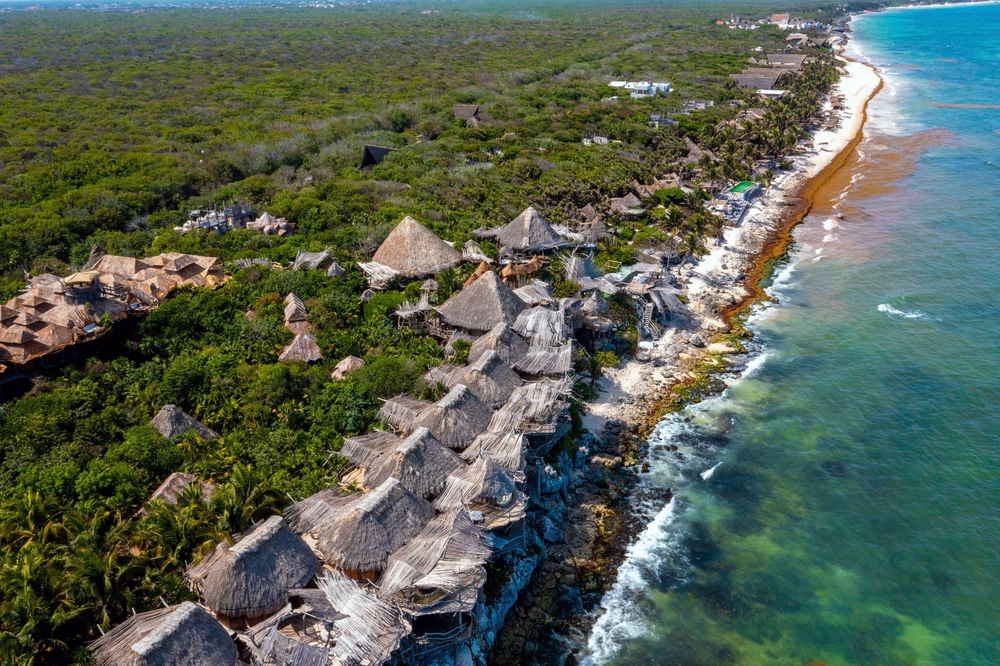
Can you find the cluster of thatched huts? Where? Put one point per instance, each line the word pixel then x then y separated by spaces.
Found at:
pixel 353 577
pixel 392 561
pixel 55 313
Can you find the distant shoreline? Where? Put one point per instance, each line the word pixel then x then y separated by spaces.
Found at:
pixel 632 394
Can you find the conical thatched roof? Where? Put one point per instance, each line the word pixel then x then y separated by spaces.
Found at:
pixel 576 266
pixel 441 570
pixel 364 449
pixel 501 339
pixel 483 267
pixel 490 379
pixel 250 580
pixel 303 348
pixel 541 326
pixel 482 305
pixel 335 270
pixel 527 231
pixel 420 462
pixel 347 365
pixel 485 487
pixel 295 309
pixel 183 635
pixel 402 411
pixel 359 535
pixel 535 292
pixel 507 449
pixel 457 418
pixel 595 304
pixel 414 250
pixel 546 360
pixel 172 422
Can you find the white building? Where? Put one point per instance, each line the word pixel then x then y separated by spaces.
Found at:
pixel 772 94
pixel 640 89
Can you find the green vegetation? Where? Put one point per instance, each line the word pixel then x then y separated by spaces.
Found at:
pixel 113 126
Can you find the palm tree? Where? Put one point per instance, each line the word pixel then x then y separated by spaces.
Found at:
pixel 674 216
pixel 243 500
pixel 448 283
pixel 35 620
pixel 691 244
pixel 29 520
pixel 173 535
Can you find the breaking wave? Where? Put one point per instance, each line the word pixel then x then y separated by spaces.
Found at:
pixel 888 309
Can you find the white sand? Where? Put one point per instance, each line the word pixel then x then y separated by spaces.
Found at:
pixel 629 392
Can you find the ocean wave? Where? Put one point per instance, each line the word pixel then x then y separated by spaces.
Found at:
pixel 829 224
pixel 829 238
pixel 621 620
pixel 707 474
pixel 660 544
pixel 888 309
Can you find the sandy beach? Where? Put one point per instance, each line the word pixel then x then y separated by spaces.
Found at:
pixel 589 531
pixel 718 281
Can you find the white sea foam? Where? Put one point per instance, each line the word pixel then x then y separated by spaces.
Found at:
pixel 621 620
pixel 829 224
pixel 707 474
pixel 829 238
pixel 888 309
pixel 661 543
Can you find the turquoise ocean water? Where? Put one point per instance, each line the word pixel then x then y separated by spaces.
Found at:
pixel 840 503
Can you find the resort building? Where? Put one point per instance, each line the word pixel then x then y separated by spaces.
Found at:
pixel 54 314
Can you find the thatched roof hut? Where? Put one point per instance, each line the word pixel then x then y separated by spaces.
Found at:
pixel 441 570
pixel 303 348
pixel 310 260
pixel 246 582
pixel 541 326
pixel 472 251
pixel 577 266
pixel 482 305
pixel 536 403
pixel 489 378
pixel 339 622
pixel 183 635
pixel 175 484
pixel 172 422
pixel 528 231
pixel 595 305
pixel 364 449
pixel 484 487
pixel 295 309
pixel 515 274
pixel 335 270
pixel 457 418
pixel 123 266
pixel 535 292
pixel 501 339
pixel 357 533
pixel 413 250
pixel 420 463
pixel 546 360
pixel 347 365
pixel 483 267
pixel 402 411
pixel 378 276
pixel 507 449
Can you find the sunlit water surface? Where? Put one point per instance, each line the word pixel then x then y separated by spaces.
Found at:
pixel 840 503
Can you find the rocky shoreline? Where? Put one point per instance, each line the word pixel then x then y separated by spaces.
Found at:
pixel 586 519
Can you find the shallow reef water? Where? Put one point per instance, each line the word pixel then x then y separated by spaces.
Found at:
pixel 852 516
